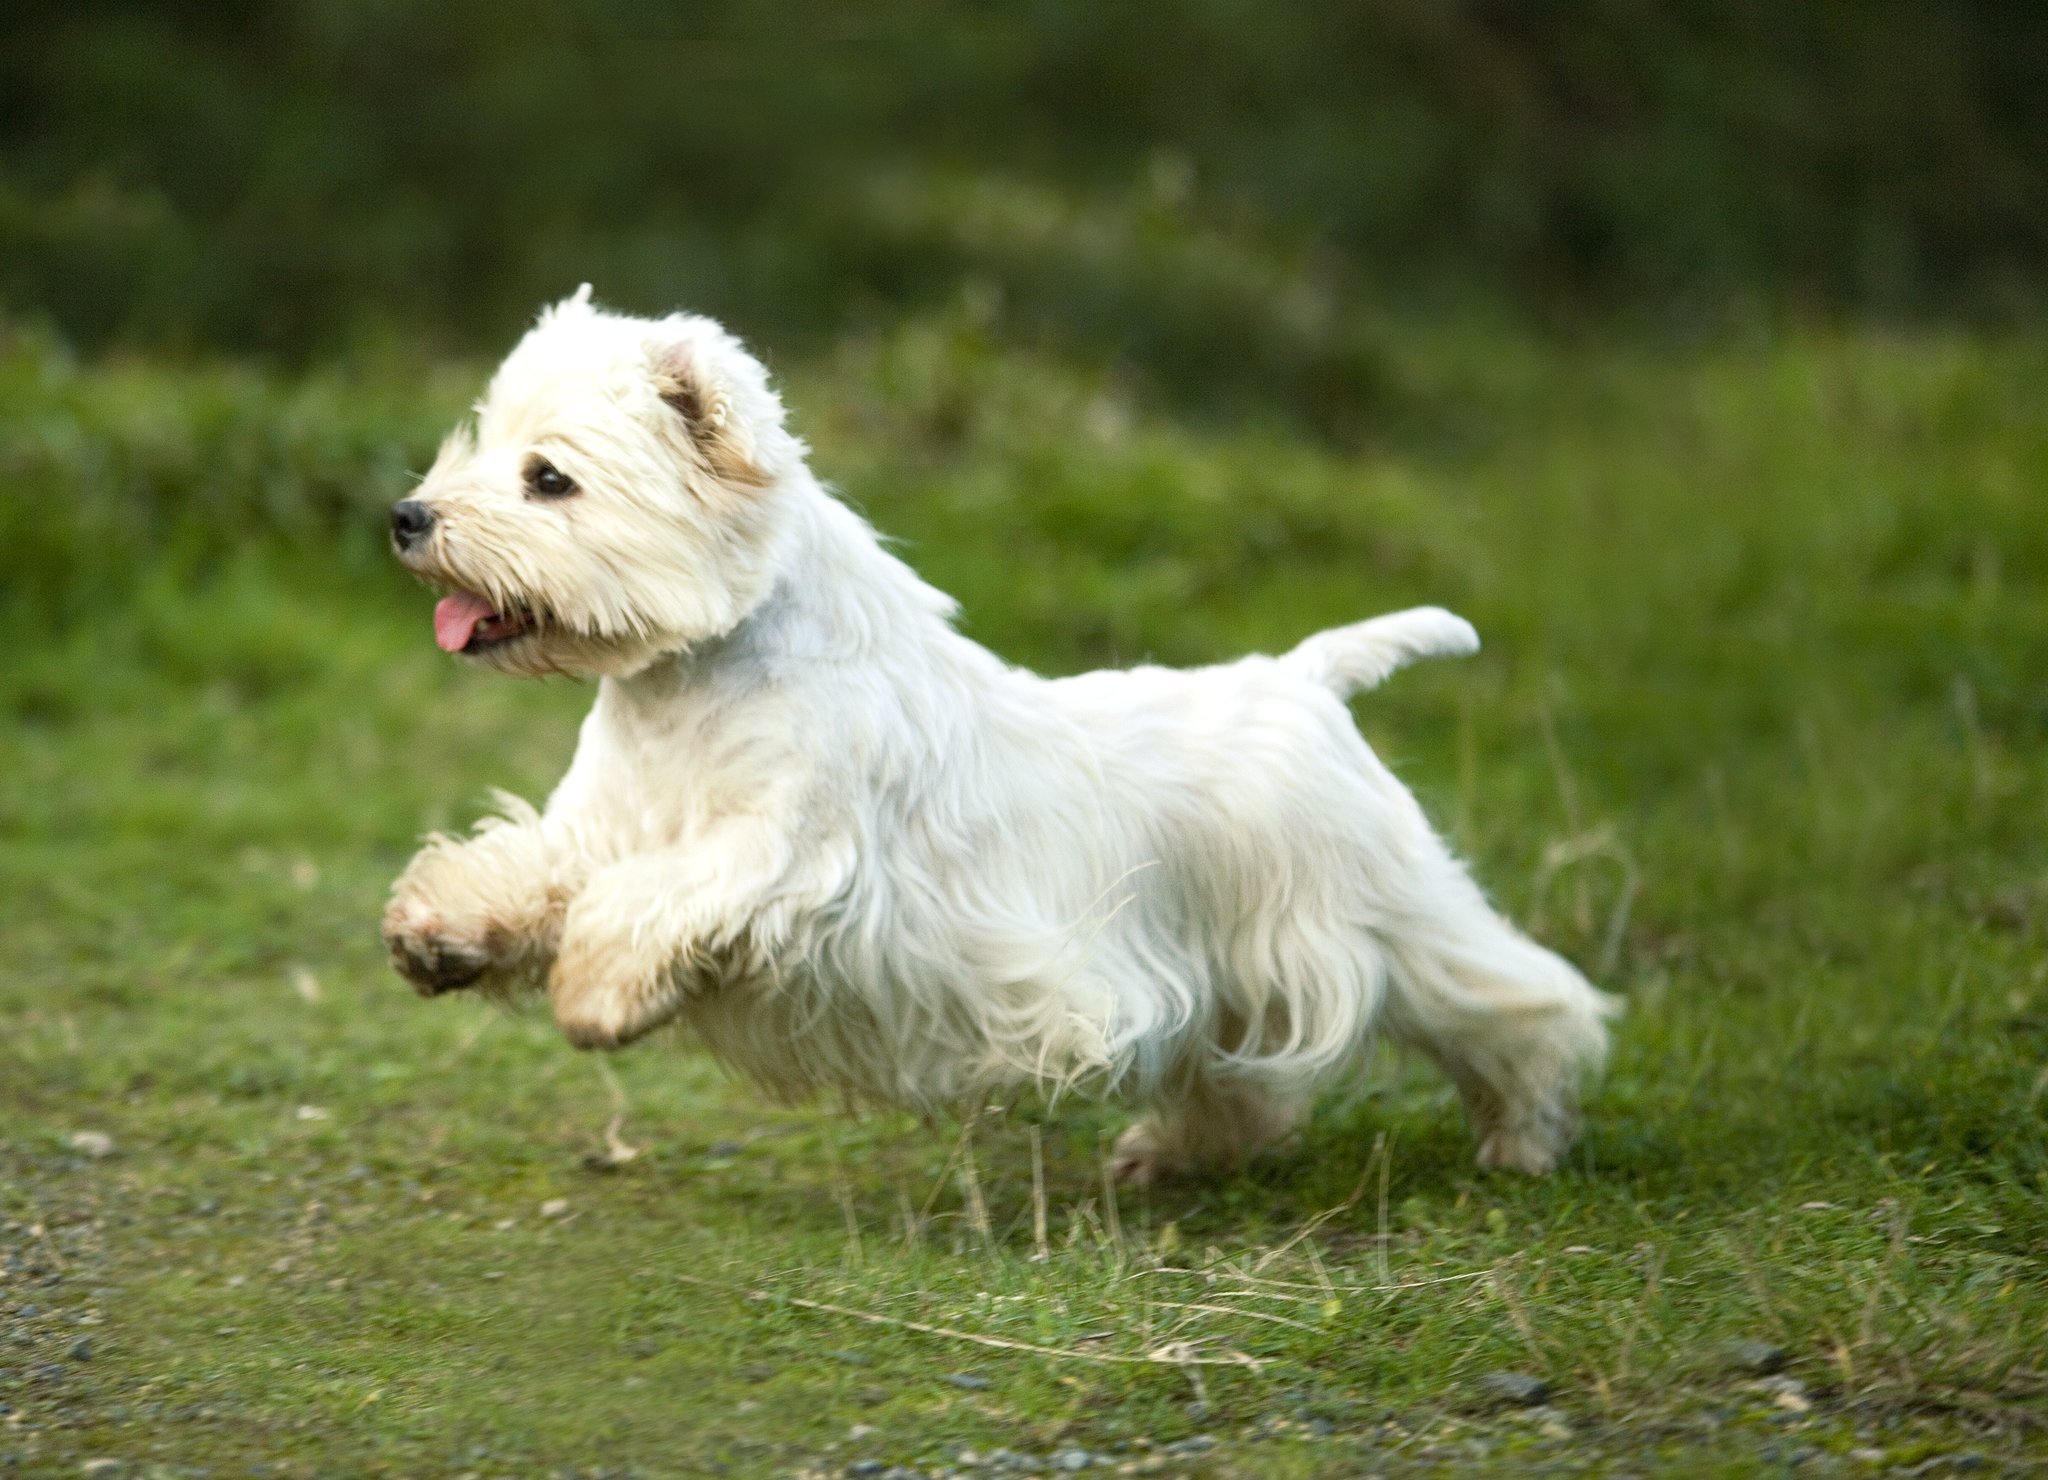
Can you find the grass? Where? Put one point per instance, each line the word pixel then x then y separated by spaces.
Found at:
pixel 1757 736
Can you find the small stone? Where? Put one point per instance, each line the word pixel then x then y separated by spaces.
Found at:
pixel 99 1467
pixel 312 1112
pixel 862 1468
pixel 971 1381
pixel 1072 1460
pixel 1199 1444
pixel 1867 1456
pixel 554 1207
pixel 862 1431
pixel 98 1145
pixel 1759 1357
pixel 81 1350
pixel 1515 1387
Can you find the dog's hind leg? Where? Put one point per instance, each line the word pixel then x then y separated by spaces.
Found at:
pixel 1206 1124
pixel 1514 1025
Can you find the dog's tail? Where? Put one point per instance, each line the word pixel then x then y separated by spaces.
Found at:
pixel 1347 660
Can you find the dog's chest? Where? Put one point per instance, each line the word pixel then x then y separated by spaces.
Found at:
pixel 657 764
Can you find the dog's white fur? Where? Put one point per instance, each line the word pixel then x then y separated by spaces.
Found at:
pixel 856 852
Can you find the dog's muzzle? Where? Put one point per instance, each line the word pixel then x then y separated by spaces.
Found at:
pixel 411 522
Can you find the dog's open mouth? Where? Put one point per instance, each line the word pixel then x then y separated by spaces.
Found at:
pixel 468 623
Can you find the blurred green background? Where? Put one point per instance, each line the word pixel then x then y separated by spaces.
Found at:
pixel 1693 350
pixel 286 177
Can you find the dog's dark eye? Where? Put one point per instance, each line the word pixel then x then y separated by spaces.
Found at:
pixel 547 480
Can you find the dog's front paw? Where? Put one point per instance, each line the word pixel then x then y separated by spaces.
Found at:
pixel 605 1000
pixel 429 952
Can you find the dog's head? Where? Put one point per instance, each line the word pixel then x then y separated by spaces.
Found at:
pixel 618 495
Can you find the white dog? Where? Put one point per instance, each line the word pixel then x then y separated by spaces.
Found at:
pixel 856 852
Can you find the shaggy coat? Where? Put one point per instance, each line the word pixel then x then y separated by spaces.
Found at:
pixel 856 852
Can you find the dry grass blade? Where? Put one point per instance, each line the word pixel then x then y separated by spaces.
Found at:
pixel 1041 1250
pixel 1275 1289
pixel 617 1150
pixel 842 1189
pixel 1229 1310
pixel 970 1187
pixel 1174 1354
pixel 1112 1217
pixel 1510 1296
pixel 1383 1153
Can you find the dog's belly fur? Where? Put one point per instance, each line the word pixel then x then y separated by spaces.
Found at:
pixel 1244 847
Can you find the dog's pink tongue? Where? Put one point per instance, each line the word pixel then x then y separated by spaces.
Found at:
pixel 456 617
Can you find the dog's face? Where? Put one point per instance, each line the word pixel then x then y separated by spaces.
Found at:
pixel 618 496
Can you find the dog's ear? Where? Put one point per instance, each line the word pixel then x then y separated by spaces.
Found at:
pixel 694 393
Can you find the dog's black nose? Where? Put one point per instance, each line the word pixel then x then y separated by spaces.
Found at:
pixel 410 521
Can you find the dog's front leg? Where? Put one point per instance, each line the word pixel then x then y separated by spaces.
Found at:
pixel 637 935
pixel 481 910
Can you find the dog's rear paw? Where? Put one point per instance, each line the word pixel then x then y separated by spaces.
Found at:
pixel 1138 1159
pixel 1532 1146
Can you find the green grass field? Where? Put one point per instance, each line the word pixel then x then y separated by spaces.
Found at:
pixel 1757 738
